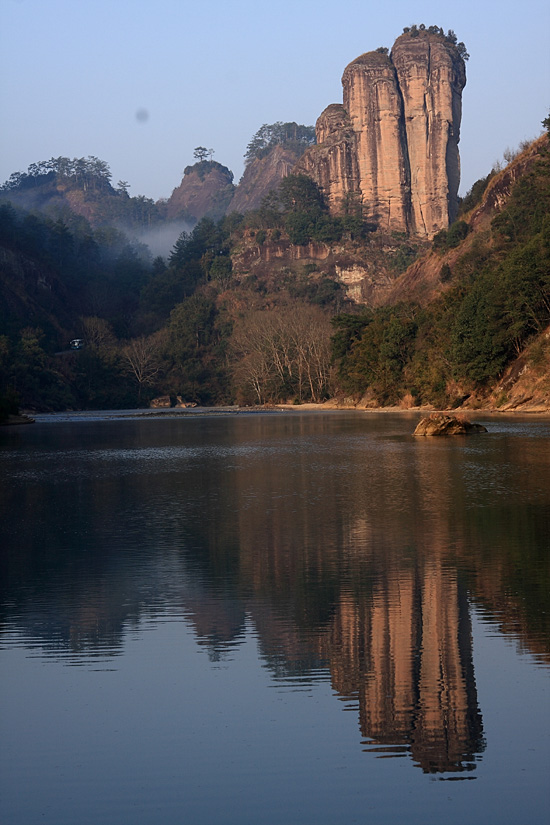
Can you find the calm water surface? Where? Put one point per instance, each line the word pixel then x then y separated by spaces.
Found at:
pixel 274 618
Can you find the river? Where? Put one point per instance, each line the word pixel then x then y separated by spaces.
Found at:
pixel 298 617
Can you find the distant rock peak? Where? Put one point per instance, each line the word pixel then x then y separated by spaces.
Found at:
pixel 205 191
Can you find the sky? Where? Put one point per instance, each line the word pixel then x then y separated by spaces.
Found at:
pixel 141 83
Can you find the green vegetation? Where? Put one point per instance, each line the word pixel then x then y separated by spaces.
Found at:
pixel 405 254
pixel 99 287
pixel 474 195
pixel 290 135
pixel 204 167
pixel 90 173
pixel 198 325
pixel 500 299
pixel 451 237
pixel 298 207
pixel 201 153
pixel 372 350
pixel 451 38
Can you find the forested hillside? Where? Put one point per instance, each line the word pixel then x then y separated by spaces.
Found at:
pixel 259 308
pixel 63 187
pixel 494 282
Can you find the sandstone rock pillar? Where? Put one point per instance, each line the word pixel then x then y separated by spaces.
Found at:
pixel 373 103
pixel 431 77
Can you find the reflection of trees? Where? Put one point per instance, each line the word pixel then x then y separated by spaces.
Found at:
pixel 272 528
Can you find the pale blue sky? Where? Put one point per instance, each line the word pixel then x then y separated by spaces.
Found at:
pixel 74 73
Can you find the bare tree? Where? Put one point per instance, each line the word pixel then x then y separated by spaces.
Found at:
pixel 141 357
pixel 283 353
pixel 98 334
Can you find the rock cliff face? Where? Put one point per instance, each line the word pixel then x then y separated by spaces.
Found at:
pixel 392 147
pixel 261 176
pixel 333 161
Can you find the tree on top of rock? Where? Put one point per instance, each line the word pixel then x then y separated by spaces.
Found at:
pixel 290 135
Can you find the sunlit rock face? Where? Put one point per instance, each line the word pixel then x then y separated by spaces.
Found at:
pixel 205 191
pixel 431 76
pixel 373 101
pixel 392 147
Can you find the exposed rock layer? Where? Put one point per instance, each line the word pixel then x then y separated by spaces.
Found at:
pixel 392 147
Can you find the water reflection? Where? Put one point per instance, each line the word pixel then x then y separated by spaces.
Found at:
pixel 351 549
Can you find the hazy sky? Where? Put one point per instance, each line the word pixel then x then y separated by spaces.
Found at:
pixel 141 83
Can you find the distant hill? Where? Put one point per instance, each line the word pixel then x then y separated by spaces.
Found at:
pixel 207 188
pixel 271 155
pixel 62 187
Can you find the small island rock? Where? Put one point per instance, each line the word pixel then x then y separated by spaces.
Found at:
pixel 441 424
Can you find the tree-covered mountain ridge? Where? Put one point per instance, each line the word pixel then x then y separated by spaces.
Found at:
pixel 286 304
pixel 83 186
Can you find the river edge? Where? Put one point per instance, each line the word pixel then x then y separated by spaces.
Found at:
pixel 424 410
pixel 172 413
pixel 16 420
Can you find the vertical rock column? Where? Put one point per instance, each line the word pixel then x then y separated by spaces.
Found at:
pixel 431 78
pixel 332 163
pixel 373 103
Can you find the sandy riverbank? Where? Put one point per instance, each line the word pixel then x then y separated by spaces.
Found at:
pixel 539 410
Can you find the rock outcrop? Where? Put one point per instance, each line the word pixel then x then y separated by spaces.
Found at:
pixel 392 147
pixel 262 175
pixel 441 424
pixel 333 161
pixel 205 191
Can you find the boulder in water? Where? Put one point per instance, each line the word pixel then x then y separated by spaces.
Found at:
pixel 441 424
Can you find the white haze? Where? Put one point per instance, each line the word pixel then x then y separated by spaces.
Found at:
pixel 161 239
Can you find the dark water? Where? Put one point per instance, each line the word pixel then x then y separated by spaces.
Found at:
pixel 279 618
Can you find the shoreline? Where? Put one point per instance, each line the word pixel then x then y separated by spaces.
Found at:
pixel 327 406
pixel 16 420
pixel 424 410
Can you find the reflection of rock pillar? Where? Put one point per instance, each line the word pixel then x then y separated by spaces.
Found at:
pixel 388 693
pixel 419 686
pixel 443 736
pixel 346 653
